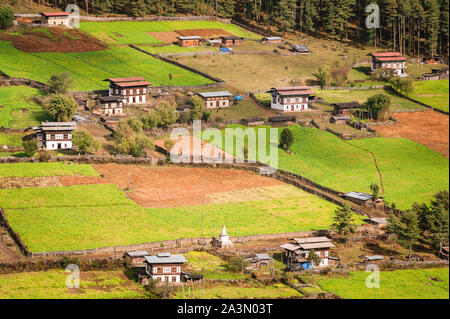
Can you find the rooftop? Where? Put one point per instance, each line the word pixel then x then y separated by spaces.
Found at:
pixel 386 54
pixel 137 253
pixel 358 195
pixel 129 84
pixel 386 59
pixel 194 37
pixel 55 14
pixel 375 257
pixel 58 123
pixel 111 98
pixel 165 258
pixel 348 105
pixel 215 94
pixel 128 79
pixel 308 240
pixel 272 38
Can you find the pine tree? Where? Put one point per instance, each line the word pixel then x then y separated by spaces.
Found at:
pixel 406 227
pixel 343 221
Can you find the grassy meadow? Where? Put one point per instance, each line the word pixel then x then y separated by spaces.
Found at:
pixel 89 69
pixel 177 49
pixel 348 166
pixel 127 32
pixel 91 216
pixel 433 93
pixel 12 139
pixel 399 284
pixel 45 169
pixel 210 266
pixel 17 110
pixel 52 285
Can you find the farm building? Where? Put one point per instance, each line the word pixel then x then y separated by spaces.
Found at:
pixel 253 122
pixel 282 120
pixel 133 90
pixel 136 258
pixel 55 135
pixel 52 19
pixel 255 261
pixel 346 108
pixel 164 267
pixel 216 99
pixel 111 105
pixel 272 40
pixel 301 48
pixel 394 61
pixel 376 221
pixel 297 252
pixel 373 259
pixel 231 40
pixel 359 198
pixel 291 99
pixel 192 41
pixel 433 60
pixel 340 119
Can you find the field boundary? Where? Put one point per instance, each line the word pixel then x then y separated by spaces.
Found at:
pixel 421 103
pixel 9 81
pixel 155 18
pixel 4 222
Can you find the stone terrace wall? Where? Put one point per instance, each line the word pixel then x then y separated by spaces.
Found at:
pixel 155 18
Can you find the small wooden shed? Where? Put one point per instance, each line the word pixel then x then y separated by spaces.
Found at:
pixel 192 41
pixel 253 122
pixel 340 119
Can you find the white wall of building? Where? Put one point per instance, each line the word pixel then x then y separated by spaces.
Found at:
pixel 290 104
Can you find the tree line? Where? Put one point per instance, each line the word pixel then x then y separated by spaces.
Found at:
pixel 415 27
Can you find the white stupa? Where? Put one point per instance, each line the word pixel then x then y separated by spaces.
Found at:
pixel 224 239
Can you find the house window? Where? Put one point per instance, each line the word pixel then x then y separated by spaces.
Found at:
pixel 117 91
pixel 124 92
pixel 131 91
pixel 167 270
pixel 144 90
pixel 70 135
pixel 138 91
pixel 326 253
pixel 178 269
pixel 155 270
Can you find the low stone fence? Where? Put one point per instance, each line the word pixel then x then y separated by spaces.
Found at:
pixel 156 18
pixel 4 222
pixel 27 82
pixel 421 103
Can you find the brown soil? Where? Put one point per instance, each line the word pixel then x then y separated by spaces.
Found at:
pixel 81 180
pixel 176 186
pixel 24 182
pixel 429 128
pixel 211 33
pixel 166 37
pixel 61 40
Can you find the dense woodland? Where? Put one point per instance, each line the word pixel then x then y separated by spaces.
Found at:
pixel 415 27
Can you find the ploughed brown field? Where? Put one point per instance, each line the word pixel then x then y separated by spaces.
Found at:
pixel 428 128
pixel 53 40
pixel 211 33
pixel 165 36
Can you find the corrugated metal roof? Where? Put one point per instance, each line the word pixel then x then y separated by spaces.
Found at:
pixel 138 83
pixel 273 38
pixel 262 256
pixel 375 257
pixel 358 195
pixel 290 247
pixel 300 48
pixel 127 79
pixel 388 59
pixel 215 94
pixel 378 220
pixel 138 253
pixel 386 54
pixel 194 37
pixel 58 128
pixel 308 240
pixel 316 245
pixel 55 14
pixel 166 259
pixel 58 123
pixel 292 93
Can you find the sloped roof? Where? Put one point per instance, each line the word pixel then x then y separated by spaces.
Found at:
pixel 137 253
pixel 137 83
pixel 386 54
pixel 111 98
pixel 273 38
pixel 299 92
pixel 215 94
pixel 194 37
pixel 165 259
pixel 387 59
pixel 127 79
pixel 290 247
pixel 348 105
pixel 358 195
pixel 308 240
pixel 375 257
pixel 55 14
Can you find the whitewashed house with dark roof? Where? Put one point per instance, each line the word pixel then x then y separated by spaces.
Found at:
pixel 165 267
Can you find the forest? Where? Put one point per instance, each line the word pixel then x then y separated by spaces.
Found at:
pixel 414 27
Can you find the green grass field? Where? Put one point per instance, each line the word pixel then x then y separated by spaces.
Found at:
pixel 11 139
pixel 433 93
pixel 348 166
pixel 91 216
pixel 246 291
pixel 339 96
pixel 177 49
pixel 16 108
pixel 45 169
pixel 89 69
pixel 399 284
pixel 52 285
pixel 125 32
pixel 210 266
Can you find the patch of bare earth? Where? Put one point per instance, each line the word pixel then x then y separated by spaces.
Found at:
pixel 40 182
pixel 166 37
pixel 165 187
pixel 428 128
pixel 212 33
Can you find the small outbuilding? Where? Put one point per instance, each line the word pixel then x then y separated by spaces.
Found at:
pixel 282 120
pixel 347 108
pixel 164 267
pixel 340 119
pixel 359 198
pixel 255 261
pixel 136 258
pixel 55 19
pixel 300 48
pixel 373 259
pixel 253 122
pixel 215 100
pixel 376 221
pixel 272 40
pixel 231 40
pixel 191 41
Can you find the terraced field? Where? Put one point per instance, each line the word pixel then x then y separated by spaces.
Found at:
pixel 433 93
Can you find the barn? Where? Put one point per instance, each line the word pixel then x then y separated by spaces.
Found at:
pixel 55 19
pixel 191 41
pixel 215 100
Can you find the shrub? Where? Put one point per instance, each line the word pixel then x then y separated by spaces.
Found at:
pixel 379 106
pixel 60 83
pixel 44 156
pixel 85 142
pixel 30 146
pixel 61 107
pixel 286 139
pixel 6 16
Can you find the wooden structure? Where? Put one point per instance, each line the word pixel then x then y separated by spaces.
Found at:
pixel 282 120
pixel 359 198
pixel 433 60
pixel 340 119
pixel 376 221
pixel 255 261
pixel 55 135
pixel 231 40
pixel 111 105
pixel 133 90
pixel 192 41
pixel 136 258
pixel 348 108
pixel 253 122
pixel 292 98
pixel 297 252
pixel 214 100
pixel 164 267
pixel 373 259
pixel 274 40
pixel 394 61
pixel 300 48
pixel 55 19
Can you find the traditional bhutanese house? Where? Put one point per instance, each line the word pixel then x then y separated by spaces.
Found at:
pixel 231 40
pixel 133 90
pixel 165 267
pixel 340 119
pixel 272 40
pixel 291 99
pixel 394 61
pixel 55 18
pixel 111 105
pixel 255 261
pixel 376 221
pixel 373 259
pixel 433 60
pixel 297 252
pixel 347 108
pixel 55 135
pixel 359 198
pixel 136 258
pixel 192 41
pixel 253 122
pixel 215 100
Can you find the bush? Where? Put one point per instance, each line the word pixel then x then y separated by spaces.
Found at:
pixel 60 83
pixel 61 107
pixel 44 156
pixel 286 139
pixel 6 16
pixel 85 142
pixel 379 106
pixel 30 146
